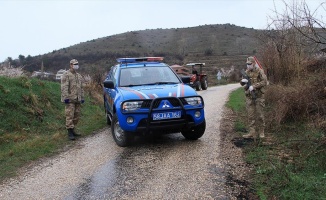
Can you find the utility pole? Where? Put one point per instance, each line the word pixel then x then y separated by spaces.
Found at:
pixel 42 67
pixel 42 70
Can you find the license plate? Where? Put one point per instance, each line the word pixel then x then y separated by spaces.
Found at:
pixel 167 115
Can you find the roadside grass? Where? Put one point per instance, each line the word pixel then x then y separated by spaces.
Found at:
pixel 33 122
pixel 237 103
pixel 291 165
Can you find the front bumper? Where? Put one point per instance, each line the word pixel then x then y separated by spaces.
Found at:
pixel 174 125
pixel 144 123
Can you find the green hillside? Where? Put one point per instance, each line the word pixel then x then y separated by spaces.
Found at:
pixel 33 122
pixel 24 102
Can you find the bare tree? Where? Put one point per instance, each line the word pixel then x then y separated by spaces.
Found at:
pixel 227 72
pixel 290 39
pixel 311 26
pixel 11 71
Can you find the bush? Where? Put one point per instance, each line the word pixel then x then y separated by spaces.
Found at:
pixel 11 71
pixel 208 52
pixel 302 99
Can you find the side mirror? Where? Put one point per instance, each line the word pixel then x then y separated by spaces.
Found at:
pixel 185 79
pixel 108 84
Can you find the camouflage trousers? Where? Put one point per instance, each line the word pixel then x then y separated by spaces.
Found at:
pixel 72 112
pixel 256 118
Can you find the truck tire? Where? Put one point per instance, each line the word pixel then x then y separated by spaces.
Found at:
pixel 108 117
pixel 196 132
pixel 122 138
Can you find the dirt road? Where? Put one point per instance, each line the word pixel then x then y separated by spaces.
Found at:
pixel 164 167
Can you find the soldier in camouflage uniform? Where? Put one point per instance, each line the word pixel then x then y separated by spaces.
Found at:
pixel 72 94
pixel 255 106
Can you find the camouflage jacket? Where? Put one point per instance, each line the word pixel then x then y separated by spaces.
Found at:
pixel 258 81
pixel 72 87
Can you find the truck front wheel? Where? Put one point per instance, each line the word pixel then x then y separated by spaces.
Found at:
pixel 196 132
pixel 122 138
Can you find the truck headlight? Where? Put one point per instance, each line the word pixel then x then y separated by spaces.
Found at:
pixel 194 101
pixel 131 105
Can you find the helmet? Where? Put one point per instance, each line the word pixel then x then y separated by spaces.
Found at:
pixel 250 60
pixel 74 61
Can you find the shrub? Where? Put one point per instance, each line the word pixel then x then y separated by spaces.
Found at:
pixel 11 71
pixel 208 52
pixel 302 99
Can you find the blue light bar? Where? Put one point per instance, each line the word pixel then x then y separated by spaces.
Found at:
pixel 142 59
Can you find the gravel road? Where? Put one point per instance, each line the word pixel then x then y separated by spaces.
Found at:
pixel 163 167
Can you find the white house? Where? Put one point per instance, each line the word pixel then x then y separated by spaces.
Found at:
pixel 59 74
pixel 42 74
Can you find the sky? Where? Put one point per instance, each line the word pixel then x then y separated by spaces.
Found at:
pixel 36 27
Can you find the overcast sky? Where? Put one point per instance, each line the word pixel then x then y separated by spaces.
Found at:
pixel 41 26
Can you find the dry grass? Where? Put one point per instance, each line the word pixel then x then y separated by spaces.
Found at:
pixel 95 91
pixel 304 98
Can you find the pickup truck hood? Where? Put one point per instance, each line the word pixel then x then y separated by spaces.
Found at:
pixel 154 91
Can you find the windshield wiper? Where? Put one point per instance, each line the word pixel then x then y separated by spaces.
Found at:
pixel 164 82
pixel 156 83
pixel 131 85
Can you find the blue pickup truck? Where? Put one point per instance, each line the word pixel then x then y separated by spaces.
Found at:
pixel 145 96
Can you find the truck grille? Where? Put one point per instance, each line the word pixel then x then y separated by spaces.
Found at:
pixel 173 101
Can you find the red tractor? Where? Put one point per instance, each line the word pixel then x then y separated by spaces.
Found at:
pixel 198 80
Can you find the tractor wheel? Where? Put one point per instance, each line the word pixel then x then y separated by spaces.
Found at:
pixel 198 85
pixel 204 83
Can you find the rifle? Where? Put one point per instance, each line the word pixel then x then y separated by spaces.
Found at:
pixel 245 76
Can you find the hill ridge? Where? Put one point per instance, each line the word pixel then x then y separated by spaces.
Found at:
pixel 218 45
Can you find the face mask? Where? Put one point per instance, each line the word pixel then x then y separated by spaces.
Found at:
pixel 250 67
pixel 75 67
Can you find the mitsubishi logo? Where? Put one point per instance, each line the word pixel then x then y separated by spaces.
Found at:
pixel 165 105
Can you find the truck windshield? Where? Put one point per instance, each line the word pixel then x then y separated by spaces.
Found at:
pixel 147 75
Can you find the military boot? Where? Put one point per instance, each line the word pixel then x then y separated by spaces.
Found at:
pixel 251 134
pixel 75 134
pixel 71 134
